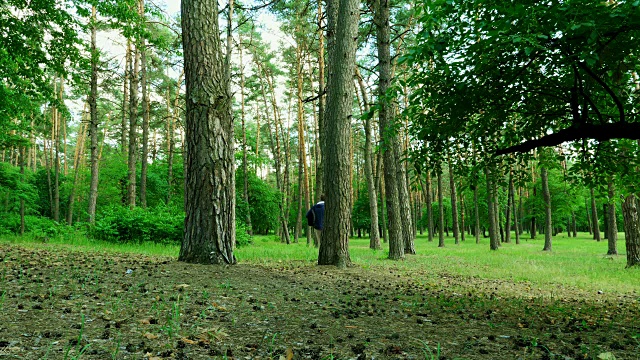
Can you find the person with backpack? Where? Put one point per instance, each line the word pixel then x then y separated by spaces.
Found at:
pixel 315 218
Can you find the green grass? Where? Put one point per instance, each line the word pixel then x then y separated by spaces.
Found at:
pixel 576 262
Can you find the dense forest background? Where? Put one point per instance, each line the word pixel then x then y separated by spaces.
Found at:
pixel 493 119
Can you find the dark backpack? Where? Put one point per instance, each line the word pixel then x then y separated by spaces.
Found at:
pixel 311 217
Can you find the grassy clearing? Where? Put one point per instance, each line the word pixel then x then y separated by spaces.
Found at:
pixel 575 262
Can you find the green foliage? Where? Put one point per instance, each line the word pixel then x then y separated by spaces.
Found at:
pixel 263 203
pixel 119 224
pixel 36 225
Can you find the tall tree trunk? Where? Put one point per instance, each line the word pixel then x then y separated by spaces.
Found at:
pixel 125 98
pixel 93 123
pixel 144 162
pixel 374 239
pixel 303 190
pixel 245 185
pixel 454 203
pixel 22 179
pixel 631 230
pixel 388 141
pixel 209 236
pixel 172 119
pixel 516 224
pixel 533 217
pixel 133 124
pixel 429 200
pixel 321 106
pixel 494 242
pixel 586 208
pixel 507 221
pixel 343 18
pixel 440 212
pixel 476 214
pixel 56 184
pixel 462 216
pixel 594 217
pixel 613 226
pixel 76 165
pixel 544 175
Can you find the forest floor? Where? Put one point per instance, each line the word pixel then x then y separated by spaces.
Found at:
pixel 57 303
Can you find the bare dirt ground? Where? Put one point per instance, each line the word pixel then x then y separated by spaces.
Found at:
pixel 58 304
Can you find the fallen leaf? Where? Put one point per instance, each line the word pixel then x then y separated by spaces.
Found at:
pixel 188 341
pixel 150 336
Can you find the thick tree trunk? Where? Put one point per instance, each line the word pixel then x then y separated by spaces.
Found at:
pixel 631 230
pixel 613 226
pixel 321 106
pixel 594 218
pixel 343 18
pixel 388 141
pixel 440 213
pixel 454 203
pixel 209 178
pixel 547 206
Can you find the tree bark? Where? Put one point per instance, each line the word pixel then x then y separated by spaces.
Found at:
pixel 343 18
pixel 374 238
pixel 494 242
pixel 476 214
pixel 388 140
pixel 507 238
pixel 613 226
pixel 429 201
pixel 209 236
pixel 454 203
pixel 125 98
pixel 133 122
pixel 631 230
pixel 321 106
pixel 76 164
pixel 93 123
pixel 245 185
pixel 547 206
pixel 144 162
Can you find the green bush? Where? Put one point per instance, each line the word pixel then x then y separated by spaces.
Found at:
pixel 120 224
pixel 36 225
pixel 242 237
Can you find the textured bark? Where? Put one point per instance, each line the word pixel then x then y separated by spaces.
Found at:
pixel 334 247
pixel 144 162
pixel 303 175
pixel 388 139
pixel 209 236
pixel 516 224
pixel 454 203
pixel 133 125
pixel 631 230
pixel 374 239
pixel 93 123
pixel 462 217
pixel 547 206
pixel 56 144
pixel 612 226
pixel 321 106
pixel 594 218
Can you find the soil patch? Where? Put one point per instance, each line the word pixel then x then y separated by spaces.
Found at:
pixel 59 304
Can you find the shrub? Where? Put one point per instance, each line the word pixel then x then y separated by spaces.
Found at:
pixel 36 225
pixel 120 224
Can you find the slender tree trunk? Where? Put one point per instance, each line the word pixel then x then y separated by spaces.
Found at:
pixel 575 227
pixel 533 218
pixel 454 204
pixel 462 216
pixel 613 226
pixel 133 122
pixel 126 98
pixel 476 214
pixel 76 165
pixel 440 212
pixel 22 179
pixel 245 185
pixel 507 237
pixel 547 206
pixel 429 201
pixel 631 230
pixel 494 242
pixel 343 18
pixel 56 184
pixel 374 240
pixel 388 141
pixel 594 217
pixel 209 236
pixel 516 225
pixel 93 123
pixel 586 208
pixel 303 190
pixel 144 161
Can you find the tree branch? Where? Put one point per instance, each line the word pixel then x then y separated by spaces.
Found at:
pixel 601 132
